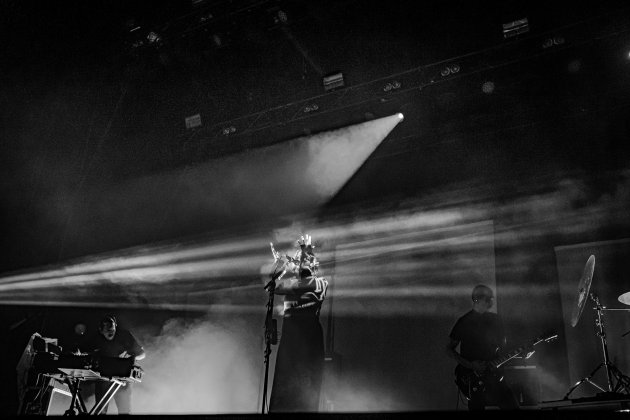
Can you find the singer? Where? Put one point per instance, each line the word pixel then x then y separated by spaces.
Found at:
pixel 300 361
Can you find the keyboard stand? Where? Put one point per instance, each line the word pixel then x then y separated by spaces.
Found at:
pixel 107 397
pixel 77 405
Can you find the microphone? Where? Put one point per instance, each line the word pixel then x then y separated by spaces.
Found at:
pixel 278 274
pixel 274 278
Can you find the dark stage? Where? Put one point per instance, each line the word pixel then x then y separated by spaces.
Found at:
pixel 153 150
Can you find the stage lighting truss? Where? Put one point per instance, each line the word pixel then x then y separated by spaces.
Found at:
pixel 339 96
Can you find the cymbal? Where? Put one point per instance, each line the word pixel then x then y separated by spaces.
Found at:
pixel 624 298
pixel 583 288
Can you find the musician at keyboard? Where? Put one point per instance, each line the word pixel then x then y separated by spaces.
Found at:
pixel 114 342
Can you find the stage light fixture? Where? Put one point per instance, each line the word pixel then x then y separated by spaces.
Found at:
pixel 193 121
pixel 310 108
pixel 205 17
pixel 153 38
pixel 452 69
pixel 487 87
pixel 333 81
pixel 281 16
pixel 278 16
pixel 516 27
pixel 400 116
pixel 550 42
pixel 228 130
pixel 392 86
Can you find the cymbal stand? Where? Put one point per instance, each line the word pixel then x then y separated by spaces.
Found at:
pixel 612 372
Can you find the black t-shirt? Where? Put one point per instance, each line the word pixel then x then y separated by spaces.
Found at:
pixel 122 341
pixel 479 335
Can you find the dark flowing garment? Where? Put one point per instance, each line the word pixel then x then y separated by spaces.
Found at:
pixel 299 364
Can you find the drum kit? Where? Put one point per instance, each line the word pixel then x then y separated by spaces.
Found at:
pixel 617 382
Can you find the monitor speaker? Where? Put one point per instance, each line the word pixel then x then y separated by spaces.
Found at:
pixel 59 401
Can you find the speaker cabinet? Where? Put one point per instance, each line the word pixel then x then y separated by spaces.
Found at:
pixel 58 401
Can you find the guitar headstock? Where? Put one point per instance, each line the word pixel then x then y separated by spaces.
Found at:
pixel 546 337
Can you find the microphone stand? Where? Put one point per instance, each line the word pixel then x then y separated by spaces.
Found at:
pixel 271 332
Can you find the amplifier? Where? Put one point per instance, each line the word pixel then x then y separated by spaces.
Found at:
pixel 525 384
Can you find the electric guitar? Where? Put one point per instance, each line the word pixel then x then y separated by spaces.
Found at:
pixel 470 382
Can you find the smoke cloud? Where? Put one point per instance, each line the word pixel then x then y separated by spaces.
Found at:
pixel 201 367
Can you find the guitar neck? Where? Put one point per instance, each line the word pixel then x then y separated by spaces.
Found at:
pixel 506 357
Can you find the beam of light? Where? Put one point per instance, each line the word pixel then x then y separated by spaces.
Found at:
pixel 260 184
pixel 357 249
pixel 207 308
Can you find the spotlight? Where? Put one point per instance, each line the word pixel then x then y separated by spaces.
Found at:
pixel 400 116
pixel 228 130
pixel 278 16
pixel 516 27
pixel 550 42
pixel 333 81
pixel 193 121
pixel 282 16
pixel 152 37
pixel 452 69
pixel 310 108
pixel 205 17
pixel 392 86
